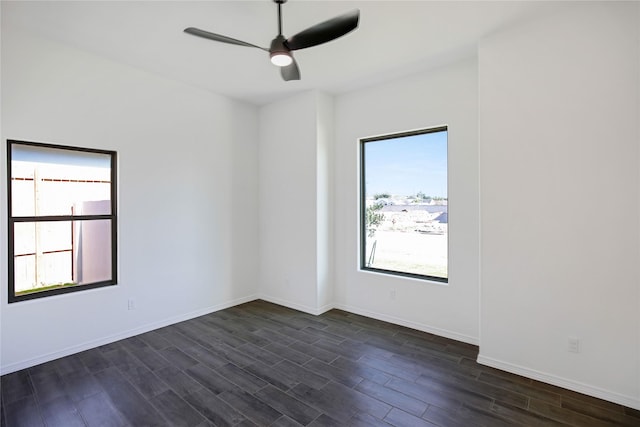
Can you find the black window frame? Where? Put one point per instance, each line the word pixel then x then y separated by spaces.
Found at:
pixel 12 220
pixel 363 206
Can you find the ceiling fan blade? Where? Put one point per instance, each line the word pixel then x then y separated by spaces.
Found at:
pixel 219 38
pixel 290 72
pixel 324 31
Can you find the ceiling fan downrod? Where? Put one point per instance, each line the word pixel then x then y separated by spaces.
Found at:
pixel 280 3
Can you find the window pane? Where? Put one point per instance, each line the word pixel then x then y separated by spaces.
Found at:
pixel 51 181
pixel 44 236
pixel 92 251
pixel 405 217
pixel 53 254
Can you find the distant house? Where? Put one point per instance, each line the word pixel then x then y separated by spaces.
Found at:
pixel 443 218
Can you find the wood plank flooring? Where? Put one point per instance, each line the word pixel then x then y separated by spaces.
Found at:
pixel 259 364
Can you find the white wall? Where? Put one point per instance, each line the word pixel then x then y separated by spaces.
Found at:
pixel 444 96
pixel 187 195
pixel 559 155
pixel 294 169
pixel 324 208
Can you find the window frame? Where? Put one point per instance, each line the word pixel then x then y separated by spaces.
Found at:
pixel 363 206
pixel 12 220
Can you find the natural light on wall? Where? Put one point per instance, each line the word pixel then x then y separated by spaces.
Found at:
pixel 404 204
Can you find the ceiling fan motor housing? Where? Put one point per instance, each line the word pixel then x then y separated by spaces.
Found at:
pixel 278 46
pixel 278 51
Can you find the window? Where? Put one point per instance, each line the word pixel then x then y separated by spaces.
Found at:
pixel 404 204
pixel 62 219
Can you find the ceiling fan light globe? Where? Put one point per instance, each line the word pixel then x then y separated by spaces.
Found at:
pixel 281 59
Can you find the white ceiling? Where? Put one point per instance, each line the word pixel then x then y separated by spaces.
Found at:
pixel 394 38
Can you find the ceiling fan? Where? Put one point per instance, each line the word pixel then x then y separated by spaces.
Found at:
pixel 281 48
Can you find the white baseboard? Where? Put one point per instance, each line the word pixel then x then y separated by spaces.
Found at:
pixel 378 316
pixel 409 324
pixel 326 308
pixel 7 369
pixel 629 401
pixel 296 306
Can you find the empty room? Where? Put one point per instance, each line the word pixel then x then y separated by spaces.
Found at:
pixel 236 213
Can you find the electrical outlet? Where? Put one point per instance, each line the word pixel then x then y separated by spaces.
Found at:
pixel 131 304
pixel 574 345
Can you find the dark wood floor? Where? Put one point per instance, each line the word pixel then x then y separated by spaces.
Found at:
pixel 265 365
